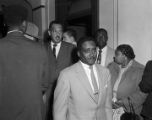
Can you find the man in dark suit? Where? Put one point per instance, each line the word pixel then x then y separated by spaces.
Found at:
pixel 23 71
pixel 146 87
pixel 60 54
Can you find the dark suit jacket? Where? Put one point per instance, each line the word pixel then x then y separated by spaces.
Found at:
pixel 23 77
pixel 66 57
pixel 146 87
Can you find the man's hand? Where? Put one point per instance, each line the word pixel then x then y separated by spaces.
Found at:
pixel 117 104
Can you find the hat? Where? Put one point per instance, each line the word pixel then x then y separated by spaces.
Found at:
pixel 15 14
pixel 32 30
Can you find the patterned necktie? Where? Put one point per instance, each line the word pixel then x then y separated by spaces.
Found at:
pixel 94 83
pixel 54 49
pixel 99 56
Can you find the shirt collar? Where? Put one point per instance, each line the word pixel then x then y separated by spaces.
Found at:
pixel 85 66
pixel 14 31
pixel 52 43
pixel 104 49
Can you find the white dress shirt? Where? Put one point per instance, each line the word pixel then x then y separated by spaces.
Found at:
pixel 87 71
pixel 57 47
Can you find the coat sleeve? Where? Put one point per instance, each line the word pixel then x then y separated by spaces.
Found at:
pixel 61 96
pixel 146 83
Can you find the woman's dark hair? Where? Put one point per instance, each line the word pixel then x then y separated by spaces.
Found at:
pixel 126 50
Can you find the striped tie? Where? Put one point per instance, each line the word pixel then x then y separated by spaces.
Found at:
pixel 94 83
pixel 99 57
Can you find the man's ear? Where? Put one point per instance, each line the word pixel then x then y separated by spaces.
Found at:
pixel 78 53
pixel 49 33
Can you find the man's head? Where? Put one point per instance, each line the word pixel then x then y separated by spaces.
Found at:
pixel 55 31
pixel 123 54
pixel 87 50
pixel 101 37
pixel 69 36
pixel 15 15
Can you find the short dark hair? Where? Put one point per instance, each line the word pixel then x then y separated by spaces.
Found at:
pixel 82 40
pixel 127 50
pixel 101 30
pixel 71 32
pixel 56 22
pixel 15 14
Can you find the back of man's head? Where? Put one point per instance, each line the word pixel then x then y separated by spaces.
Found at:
pixel 71 32
pixel 15 14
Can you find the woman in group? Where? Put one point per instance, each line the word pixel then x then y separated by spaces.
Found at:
pixel 126 73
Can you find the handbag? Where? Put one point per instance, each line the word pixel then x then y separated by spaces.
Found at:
pixel 117 113
pixel 131 115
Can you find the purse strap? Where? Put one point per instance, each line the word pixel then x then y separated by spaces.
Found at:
pixel 131 106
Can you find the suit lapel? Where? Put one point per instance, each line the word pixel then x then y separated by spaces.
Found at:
pixel 61 51
pixel 50 52
pixel 108 54
pixel 84 80
pixel 100 80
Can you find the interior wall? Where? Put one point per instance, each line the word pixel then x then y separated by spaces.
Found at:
pixel 42 16
pixel 129 22
pixel 51 10
pixel 107 20
pixel 135 27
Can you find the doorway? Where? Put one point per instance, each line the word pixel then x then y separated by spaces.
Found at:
pixel 81 15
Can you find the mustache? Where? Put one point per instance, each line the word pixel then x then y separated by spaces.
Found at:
pixel 57 37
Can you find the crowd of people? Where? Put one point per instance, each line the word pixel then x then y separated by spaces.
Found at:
pixel 66 78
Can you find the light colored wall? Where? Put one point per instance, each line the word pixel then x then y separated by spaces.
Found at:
pixel 51 10
pixel 107 20
pixel 135 27
pixel 130 22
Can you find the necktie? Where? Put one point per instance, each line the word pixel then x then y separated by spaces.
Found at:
pixel 94 83
pixel 54 49
pixel 99 57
